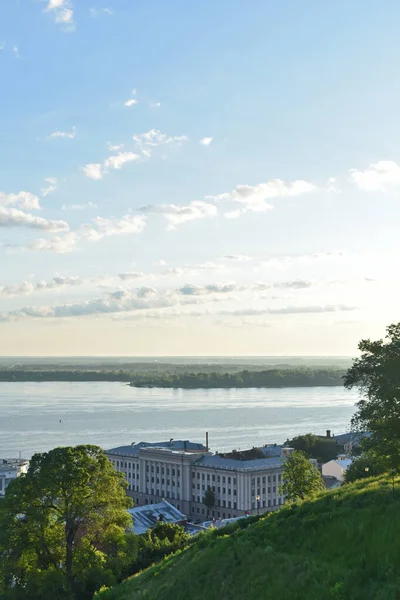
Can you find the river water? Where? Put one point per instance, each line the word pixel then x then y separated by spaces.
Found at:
pixel 36 417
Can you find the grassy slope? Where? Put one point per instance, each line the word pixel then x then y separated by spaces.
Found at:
pixel 345 545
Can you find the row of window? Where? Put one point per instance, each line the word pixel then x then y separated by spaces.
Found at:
pixel 209 477
pixel 168 470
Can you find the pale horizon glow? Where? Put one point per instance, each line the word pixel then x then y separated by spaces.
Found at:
pixel 223 200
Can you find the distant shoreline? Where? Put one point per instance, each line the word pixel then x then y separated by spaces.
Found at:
pixel 180 377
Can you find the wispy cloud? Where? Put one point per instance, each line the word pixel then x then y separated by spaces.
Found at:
pixel 70 135
pixel 24 200
pixel 176 215
pixel 381 176
pixel 79 206
pixel 97 12
pixel 15 51
pixel 114 162
pixel 206 141
pixel 132 101
pixel 52 185
pixel 27 287
pixel 253 198
pixel 63 12
pixel 12 217
pixel 155 104
pixel 154 138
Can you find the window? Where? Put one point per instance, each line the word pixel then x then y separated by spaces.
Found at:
pixel 269 478
pixel 229 504
pixel 224 490
pixel 179 472
pixel 279 477
pixel 263 503
pixel 152 480
pixel 269 502
pixel 223 479
pixel 198 475
pixel 198 498
pixel 234 505
pixel 202 476
pixel 274 490
pixel 219 490
pixel 213 477
pixel 158 469
pixel 202 511
pixel 167 471
pixel 264 479
pixel 126 465
pixel 219 478
pixel 193 486
pixel 173 472
pixel 167 481
pixel 224 503
pixel 198 486
pixel 193 475
pixel 229 492
pixel 202 487
pixel 193 498
pixel 269 490
pixel 117 463
pixel 213 488
pixel 147 468
pixel 163 480
pixel 234 481
pixel 258 480
pixel 229 479
pixel 152 491
pixel 274 477
pixel 208 476
pixel 264 490
pixel 198 510
pixel 162 471
pixel 158 480
pixel 234 492
pixel 152 468
pixel 253 482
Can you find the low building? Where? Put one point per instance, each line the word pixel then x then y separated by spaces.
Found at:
pixel 336 468
pixel 182 471
pixel 146 517
pixel 11 468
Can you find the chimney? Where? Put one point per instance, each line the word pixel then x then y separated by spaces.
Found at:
pixel 328 433
pixel 207 441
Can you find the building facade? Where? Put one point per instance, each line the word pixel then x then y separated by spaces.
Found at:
pixel 11 468
pixel 182 471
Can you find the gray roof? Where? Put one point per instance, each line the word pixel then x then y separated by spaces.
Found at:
pixel 239 465
pixel 354 438
pixel 133 449
pixel 272 450
pixel 146 517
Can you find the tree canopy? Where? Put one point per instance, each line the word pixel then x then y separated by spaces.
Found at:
pixel 366 465
pixel 323 449
pixel 209 499
pixel 376 374
pixel 300 478
pixel 61 524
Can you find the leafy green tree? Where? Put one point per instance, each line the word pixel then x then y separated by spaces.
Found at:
pixel 62 524
pixel 300 478
pixel 376 374
pixel 209 500
pixel 322 449
pixel 369 464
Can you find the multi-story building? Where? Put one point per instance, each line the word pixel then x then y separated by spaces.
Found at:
pixel 182 471
pixel 11 468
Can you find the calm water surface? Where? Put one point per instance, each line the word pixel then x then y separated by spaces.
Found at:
pixel 112 414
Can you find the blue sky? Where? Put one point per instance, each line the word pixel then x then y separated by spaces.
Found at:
pixel 198 178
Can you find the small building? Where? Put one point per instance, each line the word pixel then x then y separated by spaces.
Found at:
pixel 336 468
pixel 11 468
pixel 146 517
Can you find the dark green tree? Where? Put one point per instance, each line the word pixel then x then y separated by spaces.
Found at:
pixel 61 524
pixel 376 374
pixel 209 500
pixel 366 465
pixel 322 449
pixel 300 478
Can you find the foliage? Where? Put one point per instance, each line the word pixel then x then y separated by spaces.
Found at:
pixel 209 499
pixel 368 464
pixel 300 478
pixel 62 525
pixel 208 377
pixel 376 374
pixel 325 549
pixel 323 449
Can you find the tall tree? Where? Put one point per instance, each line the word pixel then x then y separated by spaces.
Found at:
pixel 300 478
pixel 209 500
pixel 376 374
pixel 60 522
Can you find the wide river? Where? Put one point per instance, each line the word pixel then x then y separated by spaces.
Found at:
pixel 39 416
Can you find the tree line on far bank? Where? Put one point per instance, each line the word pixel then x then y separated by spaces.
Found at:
pixel 274 378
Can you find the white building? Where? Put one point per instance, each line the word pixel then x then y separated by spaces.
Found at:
pixel 182 471
pixel 11 468
pixel 336 468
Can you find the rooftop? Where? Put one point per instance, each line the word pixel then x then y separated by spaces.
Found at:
pixel 146 517
pixel 239 465
pixel 177 445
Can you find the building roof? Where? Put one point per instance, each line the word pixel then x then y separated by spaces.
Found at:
pixel 146 517
pixel 354 438
pixel 220 462
pixel 218 523
pixel 133 449
pixel 344 462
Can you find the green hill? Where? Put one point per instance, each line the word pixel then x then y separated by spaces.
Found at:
pixel 345 545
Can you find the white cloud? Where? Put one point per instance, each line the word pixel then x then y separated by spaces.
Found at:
pixel 63 13
pixel 176 215
pixel 70 135
pixel 114 147
pixel 24 200
pixel 52 184
pixel 2 45
pixel 331 186
pixel 155 104
pixel 11 217
pixel 78 206
pixel 254 198
pixel 127 224
pixel 193 269
pixel 94 171
pixel 27 287
pixel 96 12
pixel 132 101
pixel 381 176
pixel 132 275
pixel 15 50
pixel 59 244
pixel 206 141
pixel 154 137
pixel 119 160
pixel 116 162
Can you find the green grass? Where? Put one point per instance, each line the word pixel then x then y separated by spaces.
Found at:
pixel 344 545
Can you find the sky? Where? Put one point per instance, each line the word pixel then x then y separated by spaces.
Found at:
pixel 198 178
